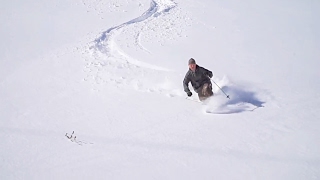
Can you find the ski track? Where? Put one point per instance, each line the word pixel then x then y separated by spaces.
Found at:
pixel 106 42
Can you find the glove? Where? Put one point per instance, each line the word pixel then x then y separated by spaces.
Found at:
pixel 189 93
pixel 210 76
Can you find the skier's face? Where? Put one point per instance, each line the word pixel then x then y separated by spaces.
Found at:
pixel 192 67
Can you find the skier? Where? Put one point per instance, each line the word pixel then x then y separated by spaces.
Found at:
pixel 200 80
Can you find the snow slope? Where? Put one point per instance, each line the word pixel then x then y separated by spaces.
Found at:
pixel 92 89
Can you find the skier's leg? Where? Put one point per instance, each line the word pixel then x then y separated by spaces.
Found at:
pixel 202 98
pixel 200 94
pixel 205 91
pixel 209 90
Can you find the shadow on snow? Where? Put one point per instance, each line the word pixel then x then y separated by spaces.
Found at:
pixel 240 100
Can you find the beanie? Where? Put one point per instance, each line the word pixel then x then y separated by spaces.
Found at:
pixel 191 61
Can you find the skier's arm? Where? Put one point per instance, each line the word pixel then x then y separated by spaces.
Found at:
pixel 207 73
pixel 186 81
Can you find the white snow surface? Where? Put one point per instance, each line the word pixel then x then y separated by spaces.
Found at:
pixel 92 89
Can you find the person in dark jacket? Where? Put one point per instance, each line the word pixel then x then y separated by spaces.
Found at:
pixel 200 80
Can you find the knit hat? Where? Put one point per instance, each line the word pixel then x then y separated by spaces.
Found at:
pixel 191 61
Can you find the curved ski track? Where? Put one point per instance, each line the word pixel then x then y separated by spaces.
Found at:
pixel 106 42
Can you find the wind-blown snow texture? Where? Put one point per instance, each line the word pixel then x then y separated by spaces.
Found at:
pixel 92 89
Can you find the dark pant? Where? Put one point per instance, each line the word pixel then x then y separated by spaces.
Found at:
pixel 205 91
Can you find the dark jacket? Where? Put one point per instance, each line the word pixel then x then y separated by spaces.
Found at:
pixel 197 78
